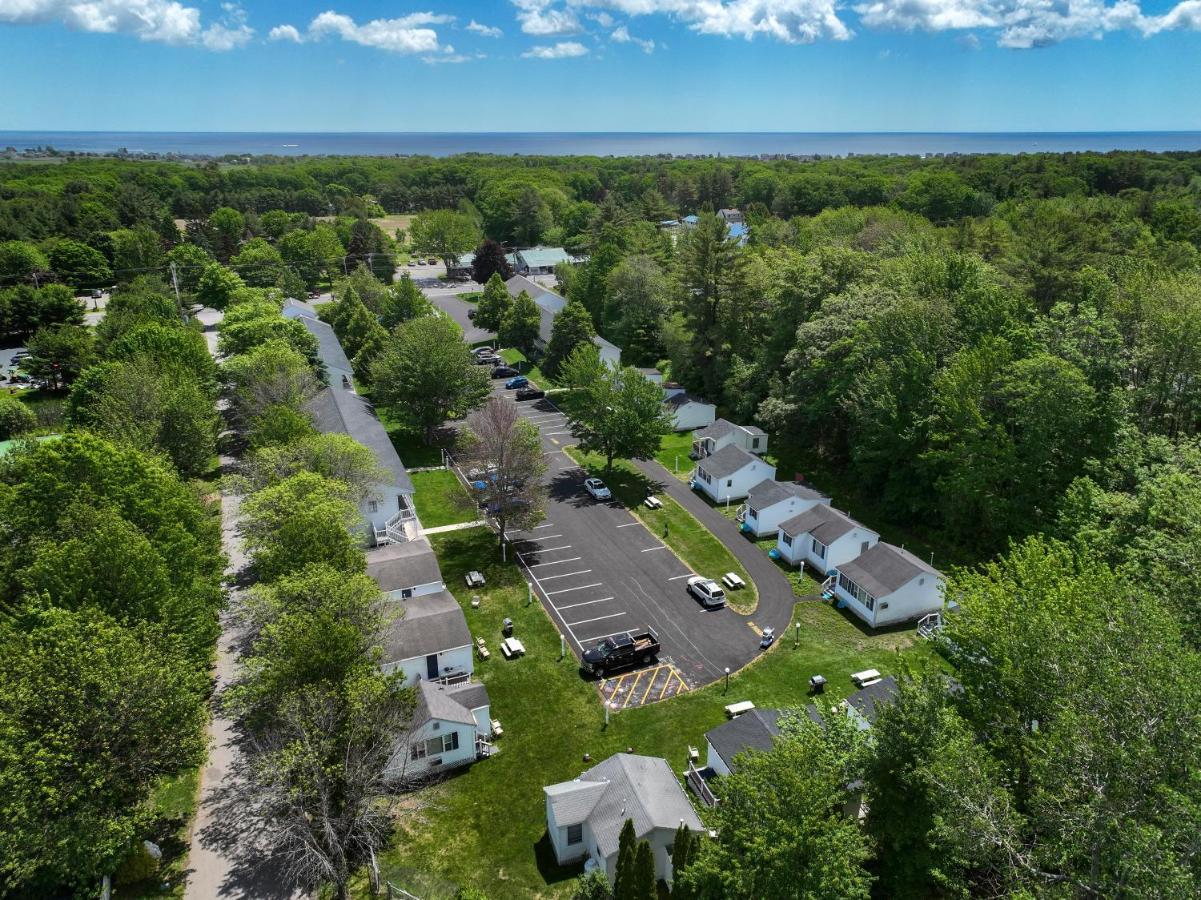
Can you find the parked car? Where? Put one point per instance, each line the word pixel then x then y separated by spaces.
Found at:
pixel 530 393
pixel 708 591
pixel 485 360
pixel 471 314
pixel 597 489
pixel 432 261
pixel 97 293
pixel 484 351
pixel 503 372
pixel 412 262
pixel 621 651
pixel 519 381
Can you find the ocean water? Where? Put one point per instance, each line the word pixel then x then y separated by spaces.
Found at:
pixel 594 144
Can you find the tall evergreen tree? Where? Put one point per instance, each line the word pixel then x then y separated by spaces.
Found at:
pixel 644 872
pixel 520 325
pixel 573 326
pixel 491 309
pixel 627 851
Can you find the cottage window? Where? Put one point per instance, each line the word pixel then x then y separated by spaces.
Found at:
pixel 856 591
pixel 786 539
pixel 729 482
pixel 417 751
pixel 575 834
pixel 406 593
pixel 450 742
pixel 372 506
pixel 752 512
pixel 819 549
pixel 754 443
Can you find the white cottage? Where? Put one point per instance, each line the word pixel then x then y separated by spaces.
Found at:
pixel 584 817
pixel 405 570
pixel 450 728
pixel 822 538
pixel 771 502
pixel 730 473
pixel 427 638
pixel 724 433
pixel 687 411
pixel 886 585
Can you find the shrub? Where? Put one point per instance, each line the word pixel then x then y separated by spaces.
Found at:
pixel 15 417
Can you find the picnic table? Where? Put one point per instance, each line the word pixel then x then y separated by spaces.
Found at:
pixel 475 579
pixel 653 503
pixel 866 677
pixel 732 581
pixel 512 648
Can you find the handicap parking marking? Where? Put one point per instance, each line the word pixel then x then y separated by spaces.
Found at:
pixel 643 686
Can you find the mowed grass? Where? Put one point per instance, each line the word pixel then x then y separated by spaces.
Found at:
pixel 518 360
pixel 441 500
pixel 691 541
pixel 485 826
pixel 673 453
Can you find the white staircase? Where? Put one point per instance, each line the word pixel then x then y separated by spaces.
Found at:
pixel 400 528
pixel 930 625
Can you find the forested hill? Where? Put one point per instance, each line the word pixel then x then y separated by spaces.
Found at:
pixel 979 347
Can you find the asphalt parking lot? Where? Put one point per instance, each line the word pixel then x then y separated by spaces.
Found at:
pixel 599 572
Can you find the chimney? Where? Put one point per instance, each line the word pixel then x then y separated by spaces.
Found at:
pixel 798 478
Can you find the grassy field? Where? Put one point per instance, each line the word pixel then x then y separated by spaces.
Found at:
pixel 517 360
pixel 441 500
pixel 470 296
pixel 485 826
pixel 674 525
pixel 673 450
pixel 409 444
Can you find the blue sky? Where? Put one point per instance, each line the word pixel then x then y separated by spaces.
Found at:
pixel 601 65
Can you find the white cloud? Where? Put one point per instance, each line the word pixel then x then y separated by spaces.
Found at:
pixel 1023 24
pixel 484 30
pixel 162 21
pixel 406 34
pixel 561 50
pixel 540 17
pixel 791 21
pixel 285 33
pixel 621 35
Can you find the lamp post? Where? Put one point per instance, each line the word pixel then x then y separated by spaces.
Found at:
pixel 798 634
pixel 727 690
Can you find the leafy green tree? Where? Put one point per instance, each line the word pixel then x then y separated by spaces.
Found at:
pixel 269 376
pixel 58 354
pixel 625 877
pixel 572 328
pixel 402 302
pixel 20 261
pixel 135 251
pixel 252 324
pixel 167 346
pixel 228 227
pixel 490 259
pixel 427 373
pixel 637 300
pixel 334 456
pixel 368 244
pixel 302 520
pixel 141 302
pixel 217 286
pixel 443 233
pixel 78 264
pixel 615 412
pixel 16 418
pixel 781 827
pixel 592 885
pixel 92 714
pixel 520 325
pixel 258 263
pixel 493 305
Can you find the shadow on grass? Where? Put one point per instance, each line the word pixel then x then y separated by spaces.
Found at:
pixel 548 866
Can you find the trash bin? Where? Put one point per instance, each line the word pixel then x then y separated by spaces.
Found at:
pixel 817 684
pixel 507 627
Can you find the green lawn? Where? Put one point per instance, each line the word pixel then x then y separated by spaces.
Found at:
pixel 470 296
pixel 174 802
pixel 441 500
pixel 485 827
pixel 409 444
pixel 673 453
pixel 518 360
pixel 674 525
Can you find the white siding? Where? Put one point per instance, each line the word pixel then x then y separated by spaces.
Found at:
pixel 450 662
pixel 691 416
pixel 768 519
pixel 715 762
pixel 403 765
pixel 735 486
pixel 922 595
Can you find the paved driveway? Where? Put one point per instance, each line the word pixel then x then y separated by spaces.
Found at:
pixel 599 571
pixel 446 299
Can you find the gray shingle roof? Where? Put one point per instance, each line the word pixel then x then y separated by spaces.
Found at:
pixel 572 801
pixel 448 704
pixel 823 522
pixel 336 410
pixel 868 700
pixel 719 428
pixel 404 565
pixel 768 493
pixel 548 300
pixel 882 569
pixel 641 788
pixel 430 623
pixel 755 730
pixel 329 348
pixel 726 461
pixel 294 308
pixel 683 399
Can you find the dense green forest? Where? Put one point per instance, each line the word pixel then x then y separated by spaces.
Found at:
pixel 1002 354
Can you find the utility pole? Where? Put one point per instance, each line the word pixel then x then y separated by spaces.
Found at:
pixel 178 301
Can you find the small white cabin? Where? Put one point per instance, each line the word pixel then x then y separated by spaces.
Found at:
pixel 450 728
pixel 723 433
pixel 822 538
pixel 887 585
pixel 730 473
pixel 771 502
pixel 427 639
pixel 687 412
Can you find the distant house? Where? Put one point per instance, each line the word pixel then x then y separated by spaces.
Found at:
pixel 864 705
pixel 329 348
pixel 730 473
pixel 771 502
pixel 732 216
pixel 550 305
pixel 388 510
pixel 885 585
pixel 724 433
pixel 755 730
pixel 584 817
pixel 541 260
pixel 427 638
pixel 462 267
pixel 823 538
pixel 405 570
pixel 687 411
pixel 739 233
pixel 451 726
pixel 651 374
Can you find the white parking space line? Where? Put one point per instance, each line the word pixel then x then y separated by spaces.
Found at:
pixel 597 619
pixel 547 525
pixel 649 549
pixel 541 537
pixel 678 577
pixel 555 433
pixel 569 590
pixel 601 637
pixel 557 562
pixel 629 524
pixel 568 575
pixel 585 603
pixel 544 550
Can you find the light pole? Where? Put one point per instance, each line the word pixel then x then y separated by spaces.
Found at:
pixel 798 635
pixel 727 690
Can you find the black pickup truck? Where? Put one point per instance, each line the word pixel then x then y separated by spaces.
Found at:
pixel 622 651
